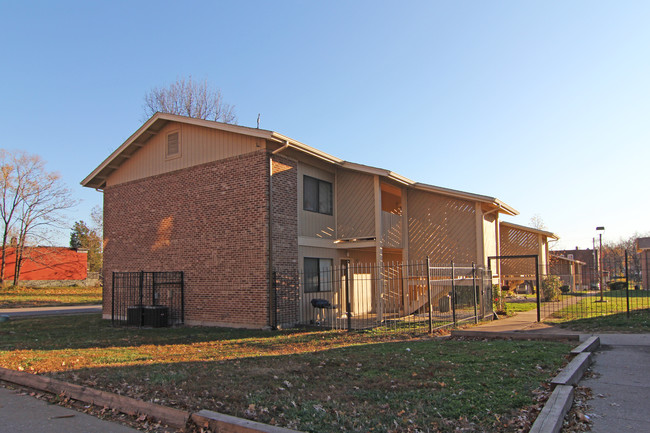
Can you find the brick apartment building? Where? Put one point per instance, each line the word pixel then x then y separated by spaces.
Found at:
pixel 237 209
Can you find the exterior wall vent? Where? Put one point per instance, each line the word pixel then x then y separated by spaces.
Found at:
pixel 173 144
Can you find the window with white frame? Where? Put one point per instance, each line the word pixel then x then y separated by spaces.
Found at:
pixel 317 195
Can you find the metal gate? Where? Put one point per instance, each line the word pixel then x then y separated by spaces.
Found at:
pixel 153 299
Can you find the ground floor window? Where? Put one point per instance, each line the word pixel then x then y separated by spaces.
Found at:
pixel 318 274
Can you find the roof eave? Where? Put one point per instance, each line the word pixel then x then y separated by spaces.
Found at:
pixel 532 230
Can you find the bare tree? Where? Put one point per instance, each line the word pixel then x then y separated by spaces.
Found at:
pixel 189 98
pixel 16 170
pixel 97 217
pixel 537 222
pixel 31 202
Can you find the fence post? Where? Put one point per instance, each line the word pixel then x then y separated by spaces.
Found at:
pixel 153 288
pixel 539 302
pixel 627 287
pixel 113 300
pixel 140 286
pixel 453 293
pixel 274 287
pixel 429 295
pixel 182 297
pixel 475 292
pixel 348 307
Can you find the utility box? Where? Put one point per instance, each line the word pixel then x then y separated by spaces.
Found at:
pixel 156 316
pixel 134 315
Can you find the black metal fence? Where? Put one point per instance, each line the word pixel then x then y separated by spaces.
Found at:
pixel 142 298
pixel 415 296
pixel 614 287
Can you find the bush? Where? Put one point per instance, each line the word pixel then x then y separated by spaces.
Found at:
pixel 497 297
pixel 564 289
pixel 616 285
pixel 551 288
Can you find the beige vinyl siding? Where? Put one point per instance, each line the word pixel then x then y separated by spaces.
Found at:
pixel 441 227
pixel 516 241
pixel 197 146
pixel 314 224
pixel 355 205
pixel 489 237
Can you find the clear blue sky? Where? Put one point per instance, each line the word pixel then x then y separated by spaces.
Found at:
pixel 544 105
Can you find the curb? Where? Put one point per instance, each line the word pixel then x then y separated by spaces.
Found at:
pixel 219 422
pixel 571 374
pixel 551 418
pixel 589 345
pixel 172 417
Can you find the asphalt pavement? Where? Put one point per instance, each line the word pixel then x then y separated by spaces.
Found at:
pixel 49 311
pixel 22 413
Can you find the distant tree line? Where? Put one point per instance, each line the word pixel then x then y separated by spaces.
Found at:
pixel 89 237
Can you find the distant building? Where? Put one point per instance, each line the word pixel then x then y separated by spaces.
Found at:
pixel 643 247
pixel 569 270
pixel 589 258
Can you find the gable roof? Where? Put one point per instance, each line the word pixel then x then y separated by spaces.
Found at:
pixel 97 178
pixel 530 229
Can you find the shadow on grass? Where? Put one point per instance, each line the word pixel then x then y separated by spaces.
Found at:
pixel 638 321
pixel 91 331
pixel 398 386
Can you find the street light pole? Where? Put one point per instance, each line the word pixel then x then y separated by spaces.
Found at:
pixel 600 261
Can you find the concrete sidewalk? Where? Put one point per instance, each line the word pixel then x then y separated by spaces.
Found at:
pixel 50 311
pixel 620 384
pixel 21 413
pixel 525 322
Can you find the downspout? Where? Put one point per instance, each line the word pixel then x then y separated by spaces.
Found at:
pixel 271 297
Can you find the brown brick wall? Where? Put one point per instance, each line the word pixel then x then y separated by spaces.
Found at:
pixel 209 221
pixel 285 240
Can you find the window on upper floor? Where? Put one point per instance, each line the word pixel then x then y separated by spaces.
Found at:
pixel 317 195
pixel 318 274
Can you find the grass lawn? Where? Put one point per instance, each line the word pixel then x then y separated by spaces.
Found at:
pixel 589 314
pixel 320 381
pixel 20 297
pixel 639 321
pixel 513 308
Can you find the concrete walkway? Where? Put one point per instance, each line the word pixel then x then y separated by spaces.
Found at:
pixel 522 322
pixel 49 311
pixel 621 384
pixel 621 380
pixel 21 413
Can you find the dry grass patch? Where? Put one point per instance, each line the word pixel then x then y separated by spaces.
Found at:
pixel 24 297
